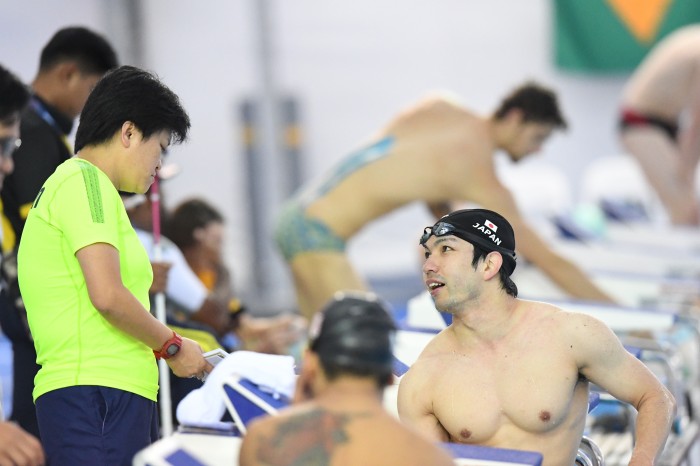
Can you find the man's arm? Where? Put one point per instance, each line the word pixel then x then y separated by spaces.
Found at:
pixel 415 407
pixel 439 209
pixel 567 275
pixel 19 448
pixel 603 360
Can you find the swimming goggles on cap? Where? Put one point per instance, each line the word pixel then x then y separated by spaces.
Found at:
pixel 445 229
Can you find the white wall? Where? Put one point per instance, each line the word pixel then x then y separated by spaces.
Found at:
pixel 352 65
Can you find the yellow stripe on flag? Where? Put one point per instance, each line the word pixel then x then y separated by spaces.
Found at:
pixel 642 17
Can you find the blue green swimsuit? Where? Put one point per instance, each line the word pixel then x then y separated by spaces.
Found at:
pixel 296 232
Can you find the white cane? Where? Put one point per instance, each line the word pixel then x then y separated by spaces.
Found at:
pixel 166 414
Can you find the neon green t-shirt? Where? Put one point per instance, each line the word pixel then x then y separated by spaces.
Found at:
pixel 79 206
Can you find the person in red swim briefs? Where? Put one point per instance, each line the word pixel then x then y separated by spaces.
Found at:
pixel 660 122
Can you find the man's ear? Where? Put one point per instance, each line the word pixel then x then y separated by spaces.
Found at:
pixel 493 263
pixel 308 378
pixel 67 70
pixel 515 115
pixel 198 234
pixel 311 364
pixel 391 379
pixel 303 391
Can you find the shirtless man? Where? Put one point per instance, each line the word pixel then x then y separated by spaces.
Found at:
pixel 511 373
pixel 339 418
pixel 435 152
pixel 660 122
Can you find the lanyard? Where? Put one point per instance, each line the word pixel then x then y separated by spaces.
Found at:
pixel 45 115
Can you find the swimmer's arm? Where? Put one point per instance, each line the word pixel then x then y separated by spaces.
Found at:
pixel 604 361
pixel 415 407
pixel 439 209
pixel 567 275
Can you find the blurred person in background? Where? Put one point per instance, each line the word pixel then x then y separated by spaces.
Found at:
pixel 337 416
pixel 438 153
pixel 197 228
pixel 17 447
pixel 71 63
pixel 660 122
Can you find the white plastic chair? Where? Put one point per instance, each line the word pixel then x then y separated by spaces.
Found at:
pixel 619 179
pixel 541 190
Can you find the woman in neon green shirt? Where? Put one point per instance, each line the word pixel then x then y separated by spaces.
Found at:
pixel 84 277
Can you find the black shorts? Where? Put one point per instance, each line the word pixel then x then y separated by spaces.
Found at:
pixel 632 118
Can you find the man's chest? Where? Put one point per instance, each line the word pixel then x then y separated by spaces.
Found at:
pixel 479 398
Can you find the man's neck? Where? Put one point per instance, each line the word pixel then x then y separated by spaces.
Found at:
pixel 47 92
pixel 350 388
pixel 486 319
pixel 497 132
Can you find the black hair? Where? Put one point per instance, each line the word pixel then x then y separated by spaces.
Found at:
pixel 91 51
pixel 187 217
pixel 504 272
pixel 14 96
pixel 355 338
pixel 537 104
pixel 131 94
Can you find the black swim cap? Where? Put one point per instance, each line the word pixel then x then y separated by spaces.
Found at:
pixel 353 333
pixel 481 227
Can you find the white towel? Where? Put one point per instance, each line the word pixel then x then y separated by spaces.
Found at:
pixel 272 373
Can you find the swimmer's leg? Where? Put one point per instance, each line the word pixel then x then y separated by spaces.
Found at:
pixel 665 170
pixel 318 275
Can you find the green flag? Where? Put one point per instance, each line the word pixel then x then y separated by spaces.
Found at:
pixel 598 36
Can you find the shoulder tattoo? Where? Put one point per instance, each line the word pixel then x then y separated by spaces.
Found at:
pixel 308 439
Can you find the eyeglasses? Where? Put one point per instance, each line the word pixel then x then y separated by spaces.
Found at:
pixel 9 145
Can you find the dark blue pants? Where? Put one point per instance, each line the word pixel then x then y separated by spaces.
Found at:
pixel 92 425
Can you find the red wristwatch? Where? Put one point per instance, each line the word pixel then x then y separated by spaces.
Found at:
pixel 170 348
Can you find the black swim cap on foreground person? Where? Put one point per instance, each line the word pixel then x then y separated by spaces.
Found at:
pixel 481 227
pixel 353 333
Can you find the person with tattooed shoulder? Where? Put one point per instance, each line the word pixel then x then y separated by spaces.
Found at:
pixel 337 416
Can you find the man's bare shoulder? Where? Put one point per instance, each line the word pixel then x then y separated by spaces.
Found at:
pixel 564 320
pixel 443 120
pixel 443 97
pixel 418 450
pixel 437 359
pixel 444 104
pixel 300 432
pixel 291 416
pixel 440 346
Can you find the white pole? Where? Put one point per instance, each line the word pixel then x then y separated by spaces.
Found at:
pixel 166 414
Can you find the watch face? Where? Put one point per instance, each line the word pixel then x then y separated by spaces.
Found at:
pixel 172 349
